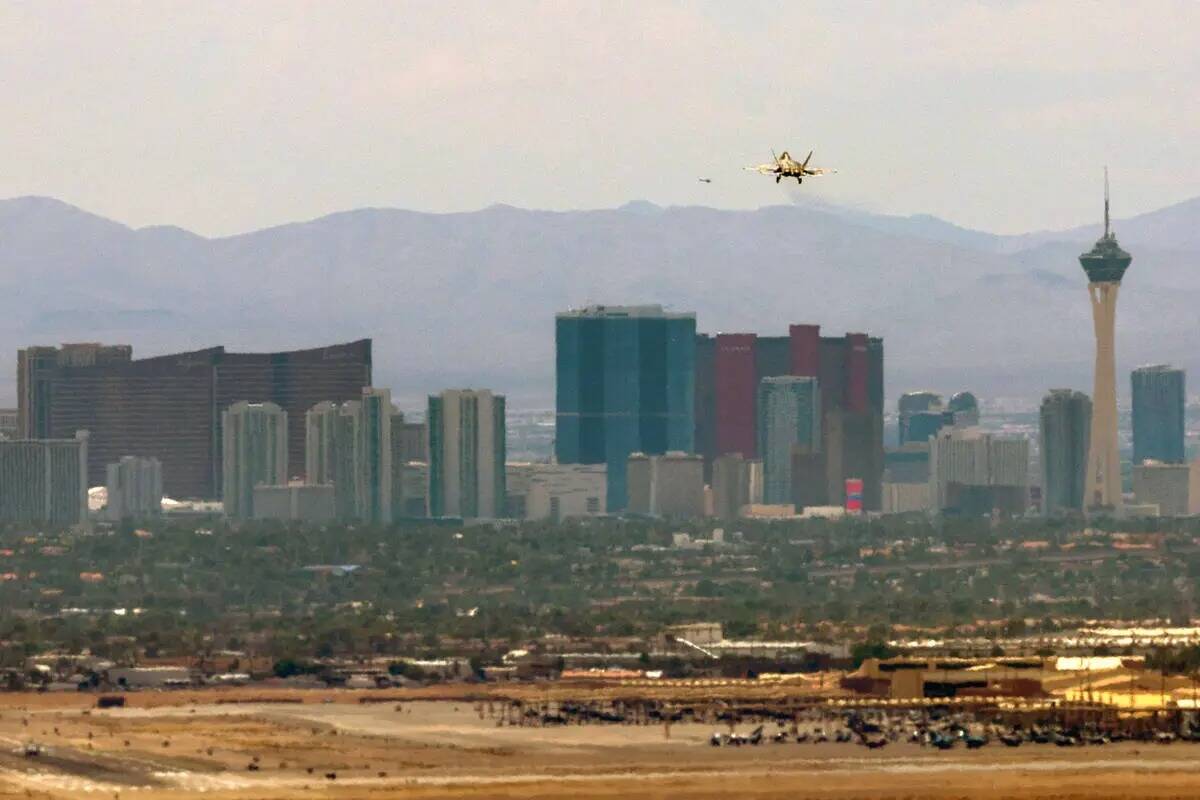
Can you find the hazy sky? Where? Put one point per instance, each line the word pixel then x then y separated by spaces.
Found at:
pixel 223 117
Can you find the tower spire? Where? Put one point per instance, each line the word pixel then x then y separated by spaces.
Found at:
pixel 1105 265
pixel 1105 201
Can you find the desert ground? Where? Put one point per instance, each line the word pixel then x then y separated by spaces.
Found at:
pixel 223 744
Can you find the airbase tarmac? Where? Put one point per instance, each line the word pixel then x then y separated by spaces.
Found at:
pixel 343 744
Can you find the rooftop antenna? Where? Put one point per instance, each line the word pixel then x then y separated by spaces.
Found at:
pixel 1105 201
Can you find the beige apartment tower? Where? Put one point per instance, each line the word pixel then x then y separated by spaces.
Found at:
pixel 349 446
pixel 670 485
pixel 254 451
pixel 44 481
pixel 1105 265
pixel 134 486
pixel 466 454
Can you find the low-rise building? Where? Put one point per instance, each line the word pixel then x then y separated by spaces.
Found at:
pixel 905 498
pixel 823 512
pixel 441 668
pixel 670 485
pixel 300 502
pixel 8 423
pixel 1136 510
pixel 151 677
pixel 1174 488
pixel 736 482
pixel 414 481
pixel 770 511
pixel 701 633
pixel 517 477
pixel 133 488
pixel 562 491
pixel 685 541
pixel 910 678
pixel 972 472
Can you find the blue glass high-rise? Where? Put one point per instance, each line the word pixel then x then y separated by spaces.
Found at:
pixel 1158 406
pixel 625 383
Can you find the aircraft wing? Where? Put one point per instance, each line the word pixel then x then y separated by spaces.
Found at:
pixel 763 169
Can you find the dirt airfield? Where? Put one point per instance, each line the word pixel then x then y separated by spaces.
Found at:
pixel 331 744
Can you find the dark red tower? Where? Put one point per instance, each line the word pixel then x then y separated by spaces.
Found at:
pixel 805 350
pixel 736 379
pixel 857 368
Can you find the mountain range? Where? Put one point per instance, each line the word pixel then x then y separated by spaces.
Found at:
pixel 469 298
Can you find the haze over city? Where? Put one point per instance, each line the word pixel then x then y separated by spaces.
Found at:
pixel 639 400
pixel 226 118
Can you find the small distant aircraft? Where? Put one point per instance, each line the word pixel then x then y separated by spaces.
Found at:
pixel 784 166
pixel 705 180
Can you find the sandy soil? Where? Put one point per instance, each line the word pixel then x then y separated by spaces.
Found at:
pixel 194 747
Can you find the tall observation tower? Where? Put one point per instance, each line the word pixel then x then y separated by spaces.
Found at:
pixel 1105 265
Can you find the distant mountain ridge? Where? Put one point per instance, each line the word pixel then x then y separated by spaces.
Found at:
pixel 469 298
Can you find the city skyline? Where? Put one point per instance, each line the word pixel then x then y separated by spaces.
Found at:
pixel 599 399
pixel 154 289
pixel 663 378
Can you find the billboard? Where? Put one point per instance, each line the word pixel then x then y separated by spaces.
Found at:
pixel 854 495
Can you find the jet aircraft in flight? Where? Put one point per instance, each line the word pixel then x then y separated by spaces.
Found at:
pixel 784 166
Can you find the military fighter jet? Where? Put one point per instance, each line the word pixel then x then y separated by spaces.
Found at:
pixel 784 166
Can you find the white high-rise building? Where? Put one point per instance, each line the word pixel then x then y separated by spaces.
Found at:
pixel 134 488
pixel 466 454
pixel 349 445
pixel 971 472
pixel 44 481
pixel 373 456
pixel 255 451
pixel 320 443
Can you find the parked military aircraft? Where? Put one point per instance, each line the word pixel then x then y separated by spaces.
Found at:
pixel 784 166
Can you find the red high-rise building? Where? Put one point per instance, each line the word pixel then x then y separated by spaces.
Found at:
pixel 805 350
pixel 849 372
pixel 857 368
pixel 735 384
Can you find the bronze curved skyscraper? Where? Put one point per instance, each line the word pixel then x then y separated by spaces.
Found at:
pixel 169 407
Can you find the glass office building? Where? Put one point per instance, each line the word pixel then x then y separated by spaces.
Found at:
pixel 1158 405
pixel 1064 431
pixel 625 383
